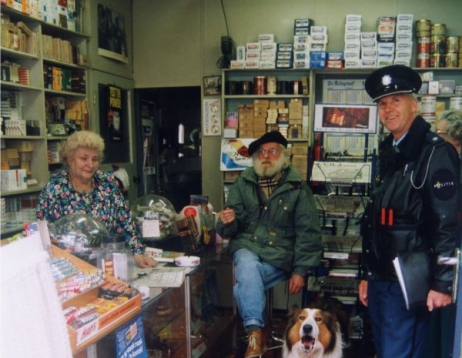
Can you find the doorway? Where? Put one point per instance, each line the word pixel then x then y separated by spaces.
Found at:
pixel 169 121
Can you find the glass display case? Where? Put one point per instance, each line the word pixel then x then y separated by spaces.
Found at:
pixel 187 321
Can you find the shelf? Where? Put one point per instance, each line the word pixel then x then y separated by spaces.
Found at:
pixel 17 54
pixel 64 64
pixel 31 190
pixel 266 96
pixel 29 137
pixel 17 86
pixel 65 93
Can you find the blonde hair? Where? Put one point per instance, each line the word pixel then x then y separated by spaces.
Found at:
pixel 81 139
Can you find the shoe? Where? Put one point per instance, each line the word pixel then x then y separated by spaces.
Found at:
pixel 256 345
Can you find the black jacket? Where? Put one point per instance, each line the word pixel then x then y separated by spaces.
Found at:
pixel 414 204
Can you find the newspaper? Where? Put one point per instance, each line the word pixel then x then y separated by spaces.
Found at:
pixel 162 277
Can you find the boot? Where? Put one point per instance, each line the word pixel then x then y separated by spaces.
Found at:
pixel 256 345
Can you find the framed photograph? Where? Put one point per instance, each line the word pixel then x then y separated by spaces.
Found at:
pixel 211 117
pixel 212 85
pixel 112 40
pixel 345 118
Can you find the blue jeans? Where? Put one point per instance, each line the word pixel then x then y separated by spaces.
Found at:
pixel 253 278
pixel 398 333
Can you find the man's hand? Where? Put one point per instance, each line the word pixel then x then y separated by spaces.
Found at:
pixel 363 292
pixel 227 216
pixel 296 284
pixel 437 299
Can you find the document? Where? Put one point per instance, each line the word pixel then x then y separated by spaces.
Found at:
pixel 413 271
pixel 163 277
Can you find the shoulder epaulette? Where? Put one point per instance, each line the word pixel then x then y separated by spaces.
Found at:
pixel 433 138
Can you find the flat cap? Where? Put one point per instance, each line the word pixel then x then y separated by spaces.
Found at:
pixel 392 80
pixel 269 137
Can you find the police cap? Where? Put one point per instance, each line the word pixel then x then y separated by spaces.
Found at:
pixel 392 80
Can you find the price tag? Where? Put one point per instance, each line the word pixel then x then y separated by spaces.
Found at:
pixel 151 228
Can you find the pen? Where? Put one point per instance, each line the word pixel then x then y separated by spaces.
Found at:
pixel 390 217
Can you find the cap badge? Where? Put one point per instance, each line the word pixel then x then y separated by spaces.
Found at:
pixel 386 80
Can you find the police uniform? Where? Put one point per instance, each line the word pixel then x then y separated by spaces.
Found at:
pixel 412 208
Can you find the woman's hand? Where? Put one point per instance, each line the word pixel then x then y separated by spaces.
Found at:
pixel 144 261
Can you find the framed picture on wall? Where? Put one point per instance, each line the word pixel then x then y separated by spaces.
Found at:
pixel 212 85
pixel 112 39
pixel 211 121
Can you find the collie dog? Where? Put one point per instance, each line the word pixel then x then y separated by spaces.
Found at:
pixel 316 332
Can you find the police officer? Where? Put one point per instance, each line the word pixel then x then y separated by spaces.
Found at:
pixel 412 208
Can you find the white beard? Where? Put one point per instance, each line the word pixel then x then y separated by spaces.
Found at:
pixel 275 167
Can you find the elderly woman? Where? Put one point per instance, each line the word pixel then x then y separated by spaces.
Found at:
pixel 449 127
pixel 82 188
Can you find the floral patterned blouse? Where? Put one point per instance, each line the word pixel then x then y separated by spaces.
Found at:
pixel 105 202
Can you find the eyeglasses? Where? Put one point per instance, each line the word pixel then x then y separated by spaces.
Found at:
pixel 271 151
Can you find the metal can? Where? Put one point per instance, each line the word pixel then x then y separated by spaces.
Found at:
pixel 428 104
pixel 437 60
pixel 452 44
pixel 455 103
pixel 245 87
pixel 423 28
pixel 423 45
pixel 271 85
pixel 451 60
pixel 438 30
pixel 423 60
pixel 259 85
pixel 438 44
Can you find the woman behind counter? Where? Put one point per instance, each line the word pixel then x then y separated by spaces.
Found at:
pixel 82 188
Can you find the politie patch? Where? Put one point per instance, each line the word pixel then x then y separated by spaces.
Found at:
pixel 443 184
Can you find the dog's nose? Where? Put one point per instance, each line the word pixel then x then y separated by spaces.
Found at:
pixel 307 328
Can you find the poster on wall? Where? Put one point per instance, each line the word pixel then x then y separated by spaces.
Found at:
pixel 112 39
pixel 211 121
pixel 114 123
pixel 342 118
pixel 235 154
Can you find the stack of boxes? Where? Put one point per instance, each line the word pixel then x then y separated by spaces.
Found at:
pixel 284 55
pixel 252 121
pixel 253 55
pixel 245 118
pixel 307 51
pixel 260 113
pixel 352 40
pixel 403 53
pixel 391 44
pixel 300 158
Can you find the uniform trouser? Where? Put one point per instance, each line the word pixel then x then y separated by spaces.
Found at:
pixel 253 278
pixel 398 333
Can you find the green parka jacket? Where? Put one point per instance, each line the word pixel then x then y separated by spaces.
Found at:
pixel 285 232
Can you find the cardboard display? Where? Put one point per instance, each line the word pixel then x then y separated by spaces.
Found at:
pixel 90 333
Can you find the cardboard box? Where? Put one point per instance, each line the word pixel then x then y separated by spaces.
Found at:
pixel 13 179
pixel 96 329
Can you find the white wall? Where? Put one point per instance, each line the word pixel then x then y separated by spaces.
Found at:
pixel 177 42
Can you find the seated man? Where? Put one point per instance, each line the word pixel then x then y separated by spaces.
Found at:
pixel 271 219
